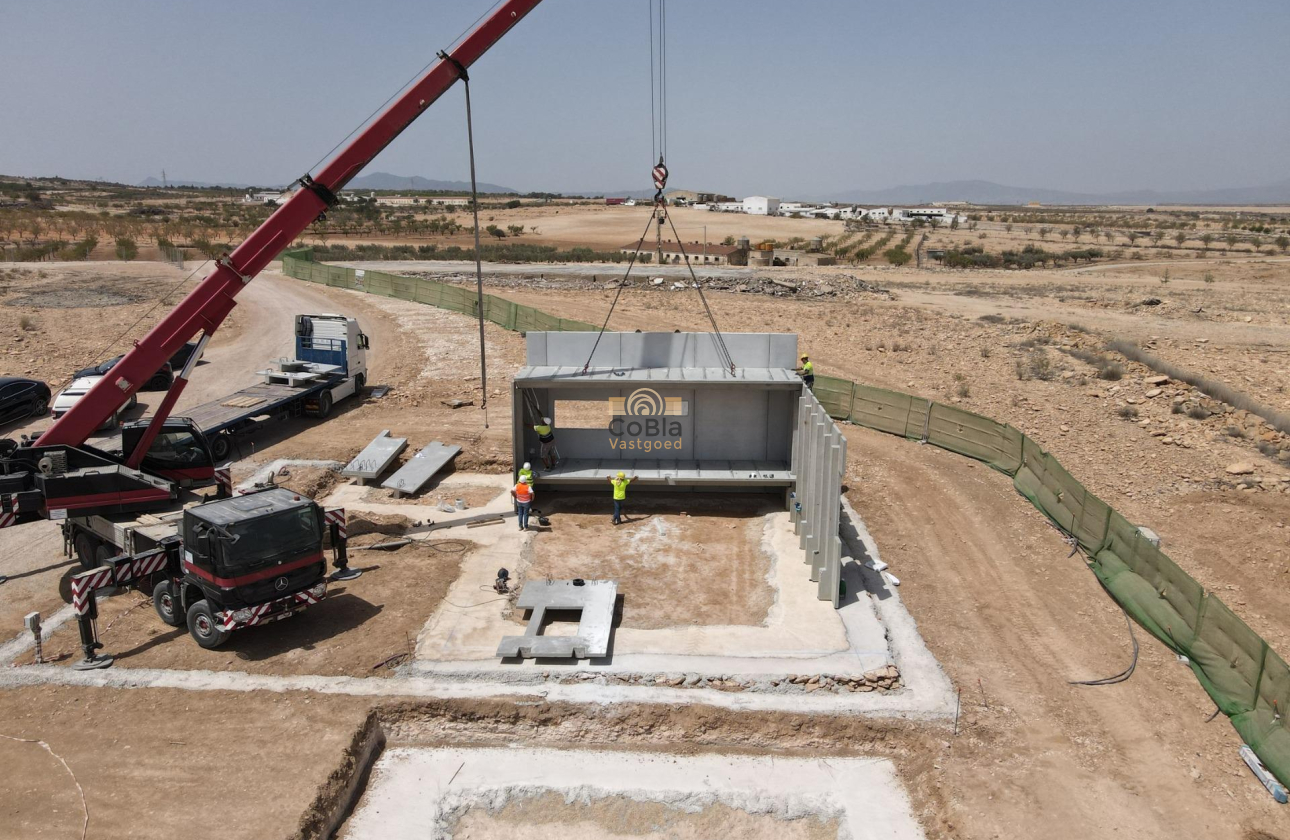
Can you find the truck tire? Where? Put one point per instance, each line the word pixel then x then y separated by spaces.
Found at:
pixel 360 382
pixel 85 545
pixel 204 627
pixel 324 405
pixel 103 553
pixel 221 446
pixel 166 602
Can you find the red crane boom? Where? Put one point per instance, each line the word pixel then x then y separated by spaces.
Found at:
pixel 206 306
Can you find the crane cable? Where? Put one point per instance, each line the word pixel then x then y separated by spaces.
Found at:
pixel 658 146
pixel 479 265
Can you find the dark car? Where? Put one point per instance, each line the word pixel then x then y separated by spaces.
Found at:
pixel 21 398
pixel 160 380
pixel 181 356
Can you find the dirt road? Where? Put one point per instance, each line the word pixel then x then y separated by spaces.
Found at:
pixel 1012 618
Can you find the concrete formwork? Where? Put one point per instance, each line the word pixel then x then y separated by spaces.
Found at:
pixel 751 428
pixel 819 462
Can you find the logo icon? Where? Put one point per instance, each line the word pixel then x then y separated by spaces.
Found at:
pixel 646 402
pixel 280 584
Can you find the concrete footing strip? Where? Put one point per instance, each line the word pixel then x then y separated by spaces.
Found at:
pixel 911 703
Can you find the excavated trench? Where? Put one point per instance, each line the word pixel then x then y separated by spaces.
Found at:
pixel 483 767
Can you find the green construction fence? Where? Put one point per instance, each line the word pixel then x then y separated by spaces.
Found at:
pixel 507 314
pixel 1247 680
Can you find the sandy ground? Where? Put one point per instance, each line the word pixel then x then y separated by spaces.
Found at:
pixel 1013 618
pixel 150 761
pixel 703 566
pixel 995 595
pixel 361 624
pixel 551 817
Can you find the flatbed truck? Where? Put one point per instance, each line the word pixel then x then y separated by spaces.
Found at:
pixel 330 365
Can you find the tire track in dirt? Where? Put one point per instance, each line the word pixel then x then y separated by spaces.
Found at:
pixel 996 598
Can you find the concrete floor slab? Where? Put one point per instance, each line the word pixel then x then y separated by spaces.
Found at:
pixel 418 792
pixel 800 634
pixel 594 600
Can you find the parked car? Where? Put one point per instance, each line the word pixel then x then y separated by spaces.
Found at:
pixel 180 358
pixel 21 398
pixel 160 380
pixel 80 386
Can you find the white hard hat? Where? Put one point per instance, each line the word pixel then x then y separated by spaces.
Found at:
pixel 526 466
pixel 546 420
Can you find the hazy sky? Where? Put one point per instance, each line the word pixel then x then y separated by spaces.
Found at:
pixel 786 98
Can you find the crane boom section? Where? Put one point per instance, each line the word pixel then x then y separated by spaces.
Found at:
pixel 207 305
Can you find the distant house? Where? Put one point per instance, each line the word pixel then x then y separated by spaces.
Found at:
pixel 696 253
pixel 274 197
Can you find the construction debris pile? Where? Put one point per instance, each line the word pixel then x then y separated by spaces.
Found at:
pixel 823 286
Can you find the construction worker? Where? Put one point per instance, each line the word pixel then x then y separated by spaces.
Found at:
pixel 807 370
pixel 620 494
pixel 546 436
pixel 522 494
pixel 526 474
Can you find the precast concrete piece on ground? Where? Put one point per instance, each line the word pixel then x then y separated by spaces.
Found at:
pixel 420 468
pixel 594 598
pixel 417 792
pixel 375 457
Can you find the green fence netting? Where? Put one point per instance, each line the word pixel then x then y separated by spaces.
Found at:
pixel 1246 679
pixel 505 313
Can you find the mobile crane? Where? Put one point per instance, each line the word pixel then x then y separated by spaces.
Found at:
pixel 195 560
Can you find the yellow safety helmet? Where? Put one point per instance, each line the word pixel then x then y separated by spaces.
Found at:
pixel 621 474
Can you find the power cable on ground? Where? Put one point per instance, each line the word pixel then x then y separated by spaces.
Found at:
pixel 85 826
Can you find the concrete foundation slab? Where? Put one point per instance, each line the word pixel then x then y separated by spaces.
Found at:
pixel 375 457
pixel 418 792
pixel 420 468
pixel 594 599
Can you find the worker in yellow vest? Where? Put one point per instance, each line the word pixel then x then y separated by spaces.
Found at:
pixel 620 483
pixel 522 493
pixel 546 437
pixel 526 474
pixel 807 370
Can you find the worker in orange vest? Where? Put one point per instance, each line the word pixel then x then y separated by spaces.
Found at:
pixel 522 493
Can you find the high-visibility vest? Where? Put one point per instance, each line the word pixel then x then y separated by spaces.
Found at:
pixel 523 493
pixel 620 488
pixel 808 369
pixel 544 432
pixel 526 476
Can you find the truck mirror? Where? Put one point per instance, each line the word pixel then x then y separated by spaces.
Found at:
pixel 206 544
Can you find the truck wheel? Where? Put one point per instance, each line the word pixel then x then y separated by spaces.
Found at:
pixel 360 381
pixel 166 602
pixel 220 447
pixel 324 405
pixel 103 553
pixel 204 627
pixel 85 545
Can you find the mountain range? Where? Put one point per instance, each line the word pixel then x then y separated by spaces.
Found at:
pixel 988 192
pixel 373 181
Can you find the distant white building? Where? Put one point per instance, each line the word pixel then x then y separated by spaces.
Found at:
pixel 761 205
pixel 274 197
pixel 788 208
pixel 727 207
pixel 877 214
